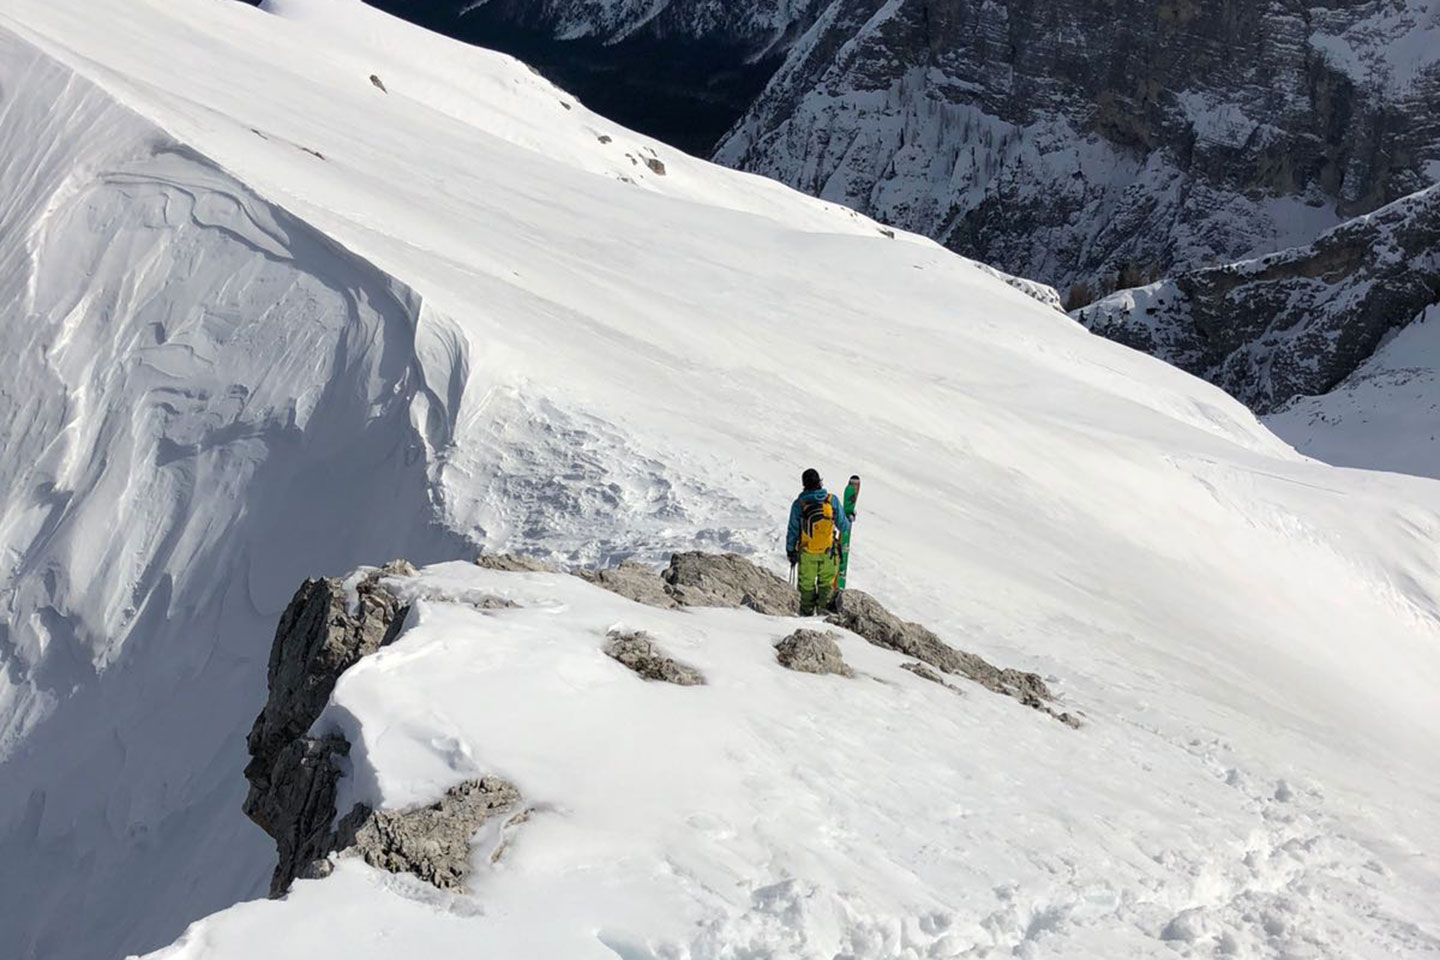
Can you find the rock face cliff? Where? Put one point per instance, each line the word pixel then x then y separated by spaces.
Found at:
pixel 1096 146
pixel 1295 323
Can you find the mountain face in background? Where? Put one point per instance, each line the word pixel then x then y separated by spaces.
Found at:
pixel 1100 146
pixel 1337 342
pixel 1092 147
pixel 1293 323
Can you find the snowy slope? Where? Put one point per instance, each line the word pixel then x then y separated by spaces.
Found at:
pixel 267 321
pixel 776 814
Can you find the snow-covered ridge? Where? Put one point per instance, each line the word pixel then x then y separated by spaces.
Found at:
pixel 786 814
pixel 465 313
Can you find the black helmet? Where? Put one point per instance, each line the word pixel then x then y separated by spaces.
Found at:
pixel 810 479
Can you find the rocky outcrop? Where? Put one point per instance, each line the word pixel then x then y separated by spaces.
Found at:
pixel 1295 323
pixel 925 673
pixel 861 613
pixel 638 652
pixel 809 651
pixel 431 841
pixel 728 580
pixel 514 563
pixel 331 624
pixel 293 775
pixel 634 581
pixel 698 579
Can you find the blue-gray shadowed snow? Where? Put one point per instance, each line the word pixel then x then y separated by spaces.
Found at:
pixel 193 366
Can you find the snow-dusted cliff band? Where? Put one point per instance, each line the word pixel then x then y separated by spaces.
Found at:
pixel 1100 146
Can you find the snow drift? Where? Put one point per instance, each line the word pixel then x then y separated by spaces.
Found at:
pixel 267 320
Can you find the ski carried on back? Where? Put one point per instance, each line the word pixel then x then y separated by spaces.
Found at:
pixel 848 502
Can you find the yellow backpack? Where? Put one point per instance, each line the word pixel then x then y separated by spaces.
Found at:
pixel 817 525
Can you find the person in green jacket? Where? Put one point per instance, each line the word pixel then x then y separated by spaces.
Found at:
pixel 812 541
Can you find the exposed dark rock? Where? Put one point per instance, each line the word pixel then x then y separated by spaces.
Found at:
pixel 515 563
pixel 635 581
pixel 656 165
pixel 728 580
pixel 292 776
pixel 698 579
pixel 295 804
pixel 379 84
pixel 431 841
pixel 1295 323
pixel 638 652
pixel 999 128
pixel 861 613
pixel 809 651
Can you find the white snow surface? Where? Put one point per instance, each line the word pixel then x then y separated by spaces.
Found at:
pixel 1384 416
pixel 265 321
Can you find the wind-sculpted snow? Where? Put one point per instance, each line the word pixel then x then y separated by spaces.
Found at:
pixel 202 397
pixel 467 317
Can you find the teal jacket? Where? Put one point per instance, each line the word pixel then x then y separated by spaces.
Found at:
pixel 792 536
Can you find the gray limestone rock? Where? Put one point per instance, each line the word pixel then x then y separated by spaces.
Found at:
pixel 431 841
pixel 925 673
pixel 698 579
pixel 1295 323
pixel 638 652
pixel 514 563
pixel 809 651
pixel 861 613
pixel 292 776
pixel 634 581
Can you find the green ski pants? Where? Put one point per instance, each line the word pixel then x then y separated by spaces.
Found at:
pixel 817 573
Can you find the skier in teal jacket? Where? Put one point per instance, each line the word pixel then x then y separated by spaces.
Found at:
pixel 812 541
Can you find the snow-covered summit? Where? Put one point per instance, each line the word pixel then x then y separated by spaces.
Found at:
pixel 293 290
